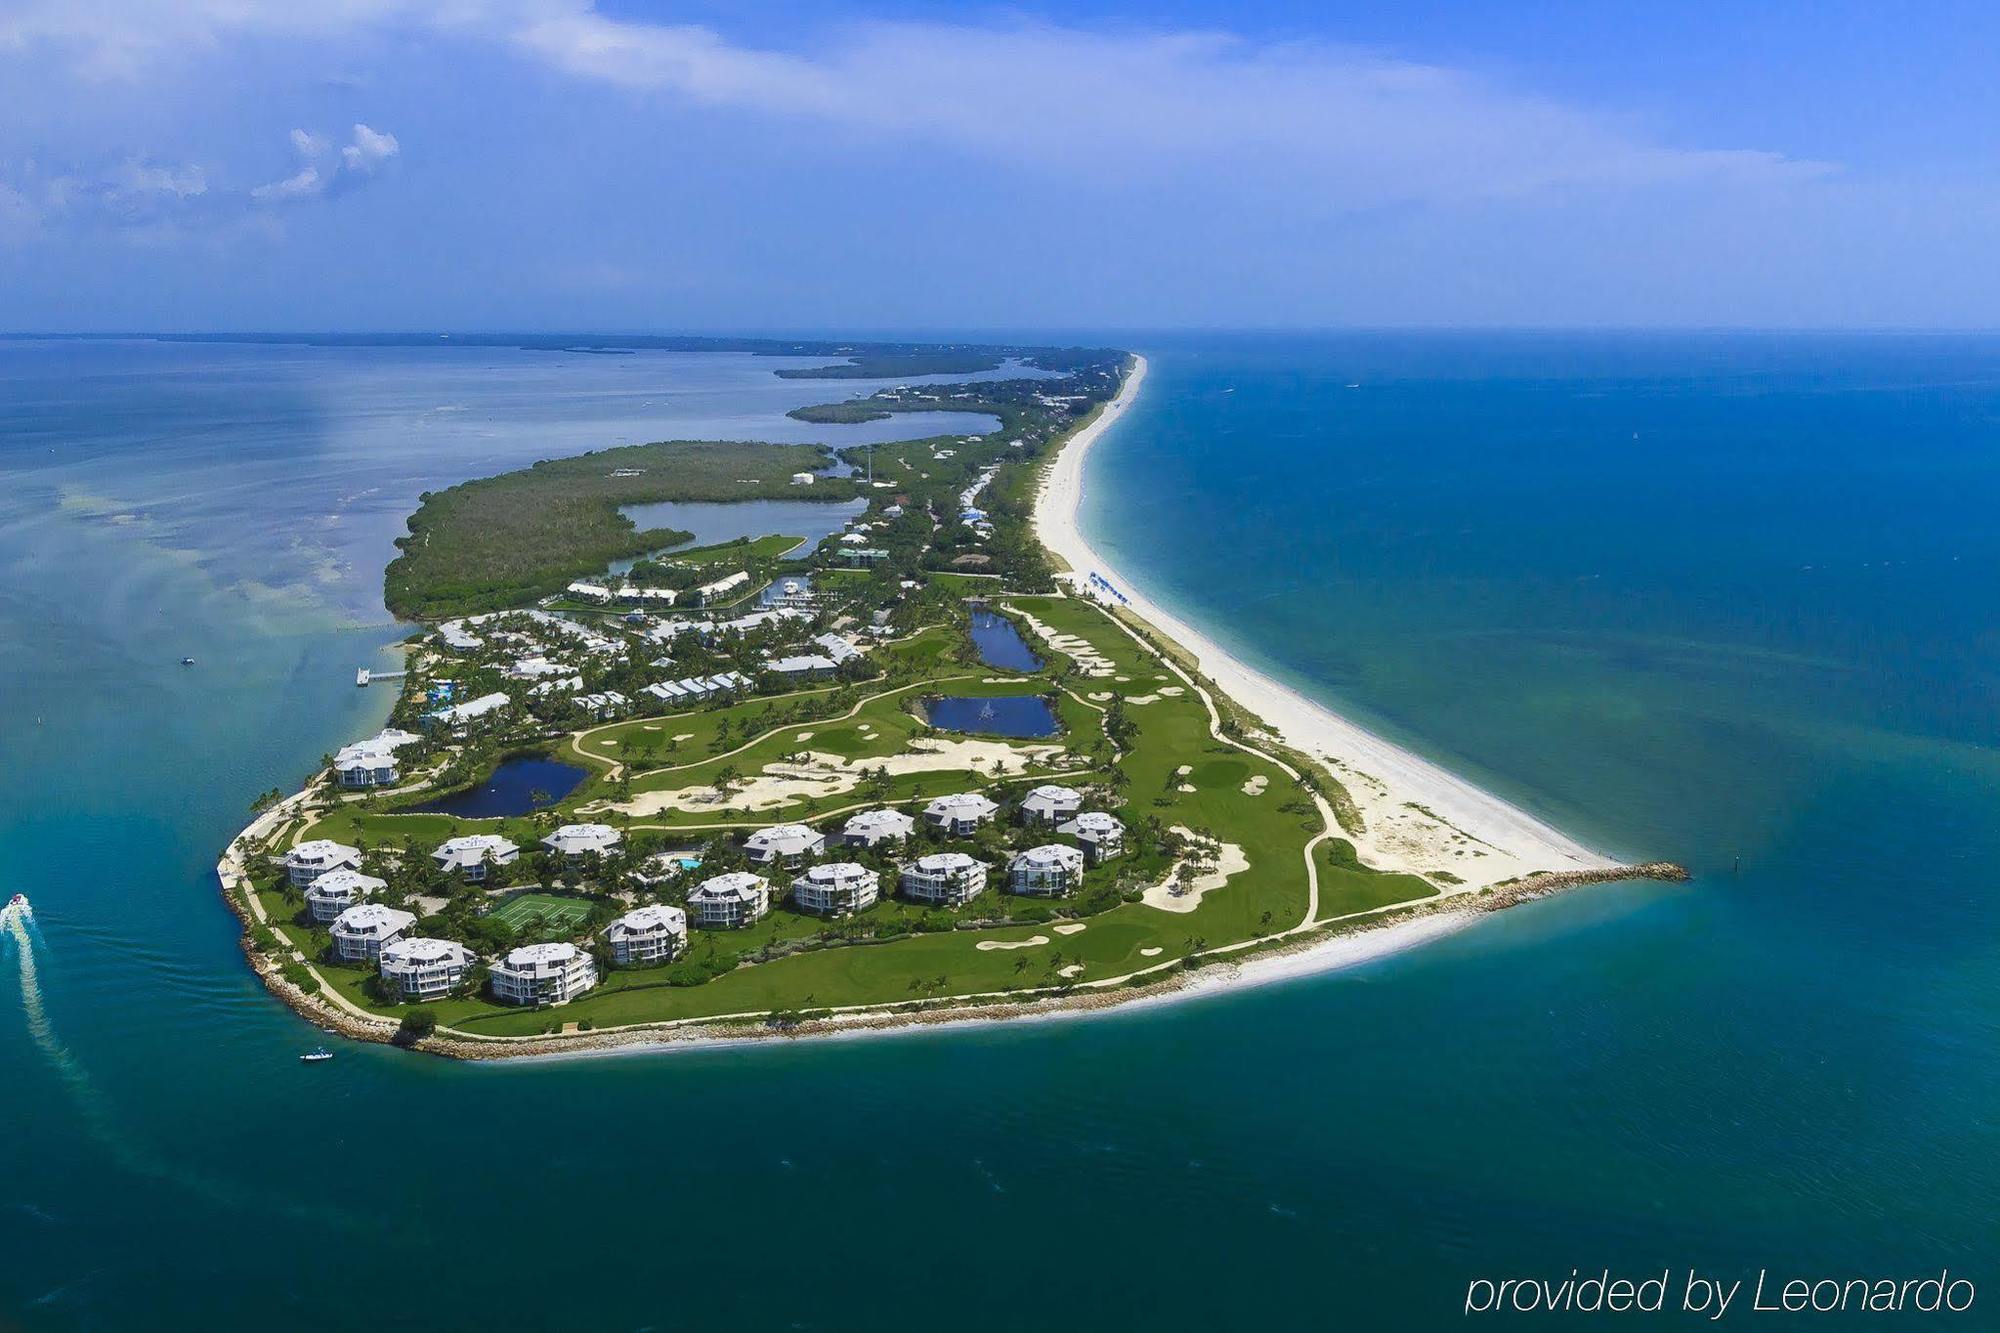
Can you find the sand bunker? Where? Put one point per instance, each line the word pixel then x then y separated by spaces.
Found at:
pixel 1224 858
pixel 1151 951
pixel 1032 942
pixel 1073 970
pixel 817 774
pixel 1255 786
pixel 1088 660
pixel 1070 928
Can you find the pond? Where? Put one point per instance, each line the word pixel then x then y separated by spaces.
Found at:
pixel 715 521
pixel 1023 715
pixel 510 790
pixel 1000 644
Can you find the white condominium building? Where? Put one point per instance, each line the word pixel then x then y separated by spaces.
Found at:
pixel 946 879
pixel 728 901
pixel 648 935
pixel 337 890
pixel 360 932
pixel 309 860
pixel 837 889
pixel 1046 872
pixel 543 974
pixel 422 969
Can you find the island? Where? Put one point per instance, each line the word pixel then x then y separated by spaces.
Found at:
pixel 941 765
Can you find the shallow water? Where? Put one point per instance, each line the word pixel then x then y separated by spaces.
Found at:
pixel 1763 629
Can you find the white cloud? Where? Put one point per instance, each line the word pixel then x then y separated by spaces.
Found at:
pixel 309 145
pixel 369 150
pixel 304 182
pixel 1328 126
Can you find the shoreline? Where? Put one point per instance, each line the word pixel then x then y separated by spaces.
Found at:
pixel 1427 816
pixel 1410 806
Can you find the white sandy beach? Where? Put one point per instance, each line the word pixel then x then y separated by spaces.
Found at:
pixel 1418 816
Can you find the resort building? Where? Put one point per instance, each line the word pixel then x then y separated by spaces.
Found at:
pixel 459 716
pixel 608 704
pixel 944 879
pixel 710 593
pixel 1050 871
pixel 648 935
pixel 802 479
pixel 371 763
pixel 727 901
pixel 589 592
pixel 784 844
pixel 471 855
pixel 423 969
pixel 1050 804
pixel 337 890
pixel 578 844
pixel 543 974
pixel 959 815
pixel 309 860
pixel 360 932
pixel 836 889
pixel 801 666
pixel 872 828
pixel 1102 836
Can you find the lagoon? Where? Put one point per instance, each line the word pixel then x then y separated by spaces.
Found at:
pixel 999 644
pixel 517 786
pixel 1019 715
pixel 714 522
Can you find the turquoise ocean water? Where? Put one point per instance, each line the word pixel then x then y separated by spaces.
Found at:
pixel 1723 599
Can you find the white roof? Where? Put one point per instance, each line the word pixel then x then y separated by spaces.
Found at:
pixel 472 848
pixel 1052 856
pixel 736 886
pixel 480 707
pixel 722 585
pixel 1051 794
pixel 344 880
pixel 944 863
pixel 320 852
pixel 372 921
pixel 420 952
pixel 1095 823
pixel 577 839
pixel 792 666
pixel 539 958
pixel 839 649
pixel 963 805
pixel 647 921
pixel 878 821
pixel 837 873
pixel 784 838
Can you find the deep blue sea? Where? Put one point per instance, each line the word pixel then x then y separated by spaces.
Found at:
pixel 1726 599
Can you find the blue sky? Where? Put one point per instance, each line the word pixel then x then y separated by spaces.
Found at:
pixel 632 165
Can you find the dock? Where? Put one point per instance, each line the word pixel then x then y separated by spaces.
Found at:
pixel 364 675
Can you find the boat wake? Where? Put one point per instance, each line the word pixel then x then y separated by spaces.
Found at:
pixel 18 929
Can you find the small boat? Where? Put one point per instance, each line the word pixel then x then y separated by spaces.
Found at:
pixel 187 661
pixel 315 1057
pixel 19 903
